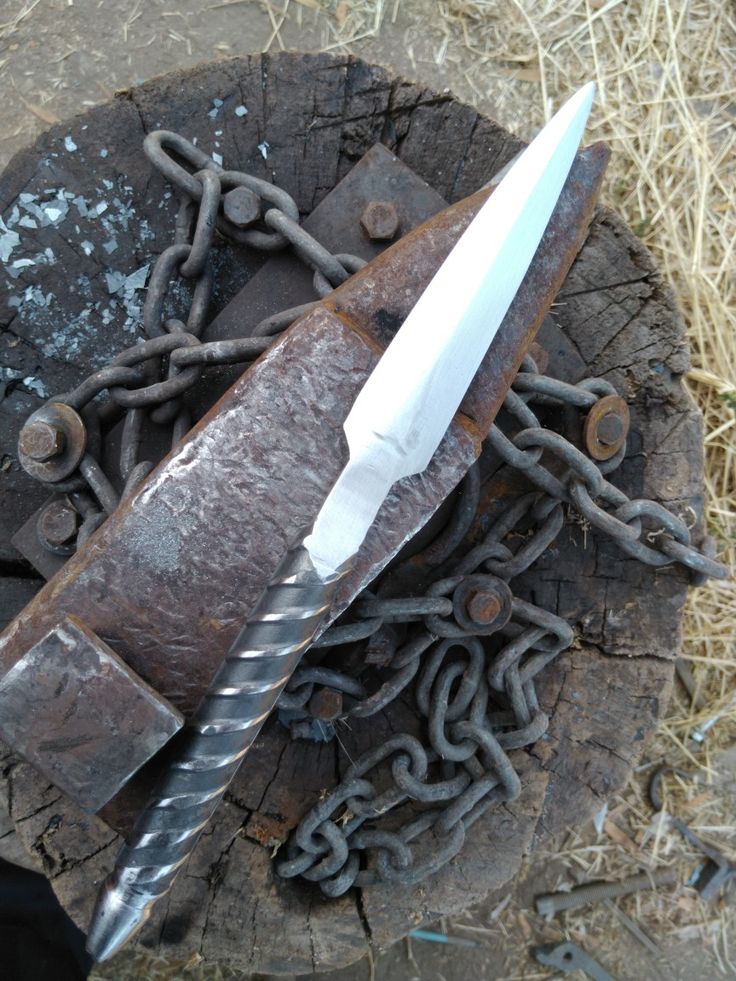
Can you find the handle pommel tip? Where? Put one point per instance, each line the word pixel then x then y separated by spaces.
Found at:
pixel 113 923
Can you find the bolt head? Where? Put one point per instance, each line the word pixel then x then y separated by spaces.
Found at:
pixel 241 206
pixel 57 523
pixel 41 441
pixel 380 221
pixel 326 704
pixel 610 429
pixel 483 606
pixel 606 427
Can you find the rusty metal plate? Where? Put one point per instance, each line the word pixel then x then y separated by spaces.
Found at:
pixel 78 713
pixel 284 281
pixel 28 542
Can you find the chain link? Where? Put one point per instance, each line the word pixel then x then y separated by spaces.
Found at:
pixel 471 647
pixel 474 681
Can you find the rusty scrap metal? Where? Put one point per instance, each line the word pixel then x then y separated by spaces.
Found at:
pixel 567 956
pixel 79 714
pixel 710 878
pixel 595 892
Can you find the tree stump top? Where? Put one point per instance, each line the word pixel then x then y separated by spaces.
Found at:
pixel 308 120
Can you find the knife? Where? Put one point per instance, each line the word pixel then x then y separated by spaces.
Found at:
pixel 393 429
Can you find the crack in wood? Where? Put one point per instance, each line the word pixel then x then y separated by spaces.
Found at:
pixel 69 865
pixel 564 295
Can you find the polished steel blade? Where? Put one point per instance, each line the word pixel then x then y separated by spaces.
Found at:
pixel 405 407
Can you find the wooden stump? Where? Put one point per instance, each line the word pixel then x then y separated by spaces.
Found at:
pixel 309 118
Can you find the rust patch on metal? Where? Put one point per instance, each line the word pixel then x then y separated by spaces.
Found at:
pixel 326 704
pixel 269 830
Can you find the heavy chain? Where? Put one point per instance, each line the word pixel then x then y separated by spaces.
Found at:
pixel 145 383
pixel 474 650
pixel 470 647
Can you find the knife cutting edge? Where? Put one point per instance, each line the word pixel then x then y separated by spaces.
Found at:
pixel 393 429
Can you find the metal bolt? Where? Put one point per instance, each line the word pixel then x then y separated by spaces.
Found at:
pixel 242 206
pixel 41 441
pixel 555 902
pixel 610 429
pixel 606 427
pixel 57 523
pixel 326 704
pixel 380 221
pixel 483 606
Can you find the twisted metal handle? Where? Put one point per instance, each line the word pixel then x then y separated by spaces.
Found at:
pixel 212 746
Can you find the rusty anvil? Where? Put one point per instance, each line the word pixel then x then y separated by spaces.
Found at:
pixel 101 666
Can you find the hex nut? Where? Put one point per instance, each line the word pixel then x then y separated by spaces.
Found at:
pixel 483 606
pixel 41 441
pixel 241 206
pixel 326 704
pixel 380 221
pixel 57 523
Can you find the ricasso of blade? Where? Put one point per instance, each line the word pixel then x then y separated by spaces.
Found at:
pixel 351 506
